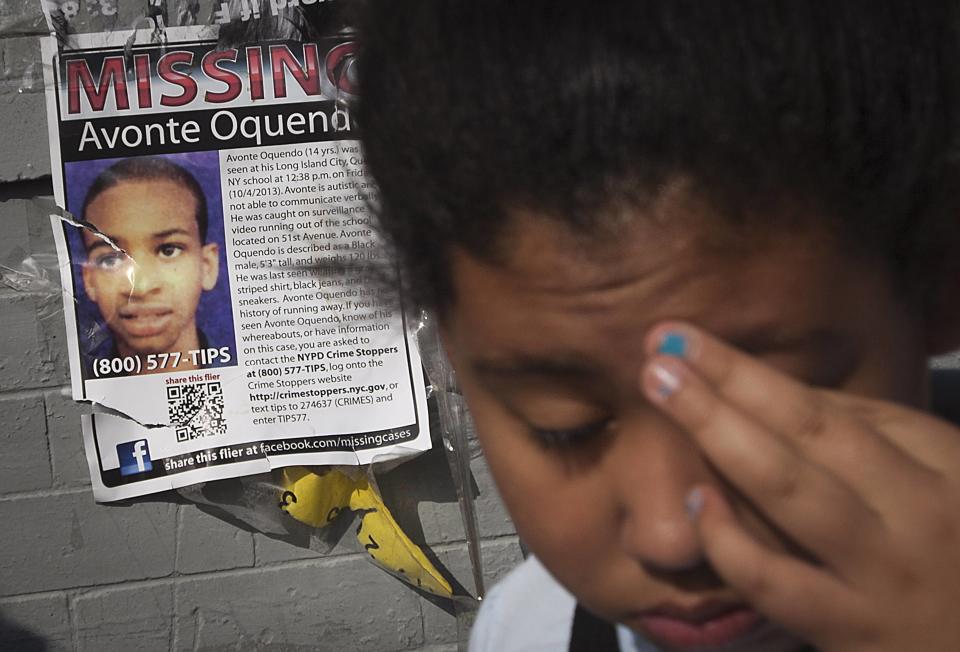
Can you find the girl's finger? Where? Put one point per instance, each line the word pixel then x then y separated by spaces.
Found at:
pixel 930 441
pixel 791 592
pixel 842 441
pixel 805 500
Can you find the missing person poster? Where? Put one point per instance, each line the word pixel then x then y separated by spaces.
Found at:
pixel 214 253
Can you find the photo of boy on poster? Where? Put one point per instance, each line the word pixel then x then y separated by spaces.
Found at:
pixel 157 291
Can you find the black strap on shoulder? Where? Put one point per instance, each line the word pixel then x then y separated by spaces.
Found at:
pixel 945 401
pixel 590 634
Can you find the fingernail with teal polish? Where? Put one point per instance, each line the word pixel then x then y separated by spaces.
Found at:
pixel 673 344
pixel 694 503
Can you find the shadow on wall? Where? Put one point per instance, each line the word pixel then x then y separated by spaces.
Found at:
pixel 14 637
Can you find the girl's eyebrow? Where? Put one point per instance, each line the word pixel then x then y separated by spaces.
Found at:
pixel 767 339
pixel 755 341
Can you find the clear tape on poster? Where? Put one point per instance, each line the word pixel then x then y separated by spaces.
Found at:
pixel 29 264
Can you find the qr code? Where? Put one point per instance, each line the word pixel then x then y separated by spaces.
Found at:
pixel 196 410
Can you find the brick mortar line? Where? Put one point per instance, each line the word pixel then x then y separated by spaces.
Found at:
pixel 94 590
pixel 74 592
pixel 174 630
pixel 37 389
pixel 74 619
pixel 40 595
pixel 14 394
pixel 46 440
pixel 53 492
pixel 177 528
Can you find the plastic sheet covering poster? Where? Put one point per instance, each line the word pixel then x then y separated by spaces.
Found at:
pixel 216 243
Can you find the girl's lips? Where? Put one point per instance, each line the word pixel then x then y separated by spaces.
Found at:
pixel 694 632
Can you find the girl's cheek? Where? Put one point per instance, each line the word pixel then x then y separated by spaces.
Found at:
pixel 550 503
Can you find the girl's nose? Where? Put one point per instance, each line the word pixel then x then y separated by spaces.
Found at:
pixel 656 468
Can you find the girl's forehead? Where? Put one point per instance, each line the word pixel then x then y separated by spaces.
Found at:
pixel 553 296
pixel 538 254
pixel 816 312
pixel 632 283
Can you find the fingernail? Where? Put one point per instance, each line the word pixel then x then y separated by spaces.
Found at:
pixel 667 381
pixel 674 344
pixel 694 503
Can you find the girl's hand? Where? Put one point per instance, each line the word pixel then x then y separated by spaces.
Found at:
pixel 867 489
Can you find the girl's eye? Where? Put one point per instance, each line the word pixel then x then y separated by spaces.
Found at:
pixel 109 262
pixel 170 250
pixel 570 437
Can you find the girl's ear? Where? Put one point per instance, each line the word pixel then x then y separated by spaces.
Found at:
pixel 943 314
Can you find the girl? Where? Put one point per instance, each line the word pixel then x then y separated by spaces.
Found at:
pixel 690 259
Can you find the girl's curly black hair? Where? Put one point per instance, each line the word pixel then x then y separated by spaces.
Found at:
pixel 845 113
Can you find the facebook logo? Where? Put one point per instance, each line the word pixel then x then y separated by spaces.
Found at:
pixel 134 457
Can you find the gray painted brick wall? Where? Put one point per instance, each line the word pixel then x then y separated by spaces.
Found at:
pixel 160 574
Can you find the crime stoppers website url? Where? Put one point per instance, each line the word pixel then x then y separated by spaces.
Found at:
pixel 320 393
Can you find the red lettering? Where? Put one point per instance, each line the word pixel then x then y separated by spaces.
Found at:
pixel 255 73
pixel 308 76
pixel 111 76
pixel 141 63
pixel 167 72
pixel 213 71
